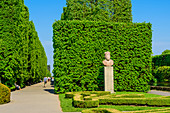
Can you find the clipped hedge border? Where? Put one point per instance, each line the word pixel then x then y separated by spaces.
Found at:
pixel 80 103
pixel 5 93
pixel 136 101
pixel 87 93
pixel 166 110
pixel 86 99
pixel 107 110
pixel 160 88
pixel 89 99
pixel 69 95
pixel 101 110
pixel 123 101
pixel 128 96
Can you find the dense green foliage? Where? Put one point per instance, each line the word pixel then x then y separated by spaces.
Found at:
pixel 98 10
pixel 48 74
pixel 161 66
pixel 166 52
pixel 163 73
pixel 37 56
pixel 122 11
pixel 163 88
pixel 161 60
pixel 22 56
pixel 5 93
pixel 79 48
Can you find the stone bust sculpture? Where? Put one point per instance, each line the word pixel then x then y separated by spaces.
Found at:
pixel 107 61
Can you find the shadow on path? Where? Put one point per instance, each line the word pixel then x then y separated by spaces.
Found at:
pixel 49 90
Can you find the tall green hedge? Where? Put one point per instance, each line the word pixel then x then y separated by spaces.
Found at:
pixel 160 66
pixel 122 11
pixel 79 48
pixel 37 57
pixel 161 60
pixel 98 10
pixel 163 73
pixel 18 53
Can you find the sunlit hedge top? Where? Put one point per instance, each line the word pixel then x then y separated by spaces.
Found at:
pixel 98 10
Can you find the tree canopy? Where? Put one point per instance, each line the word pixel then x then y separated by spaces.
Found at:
pixel 166 52
pixel 22 56
pixel 98 10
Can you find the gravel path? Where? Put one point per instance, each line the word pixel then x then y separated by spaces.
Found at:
pixel 33 99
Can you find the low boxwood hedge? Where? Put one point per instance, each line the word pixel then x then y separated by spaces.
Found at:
pixel 79 102
pixel 158 101
pixel 128 96
pixel 136 101
pixel 123 101
pixel 101 110
pixel 4 94
pixel 107 110
pixel 87 93
pixel 69 95
pixel 94 99
pixel 166 110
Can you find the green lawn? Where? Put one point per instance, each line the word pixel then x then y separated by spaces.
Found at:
pixel 66 104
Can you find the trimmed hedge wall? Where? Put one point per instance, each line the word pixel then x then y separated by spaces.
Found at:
pixel 22 56
pixel 79 48
pixel 161 67
pixel 5 93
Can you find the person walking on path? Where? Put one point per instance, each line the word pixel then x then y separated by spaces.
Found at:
pixel 17 86
pixel 45 80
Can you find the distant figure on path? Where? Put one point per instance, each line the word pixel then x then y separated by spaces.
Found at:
pixel 17 86
pixel 45 80
pixel 48 79
pixel 52 80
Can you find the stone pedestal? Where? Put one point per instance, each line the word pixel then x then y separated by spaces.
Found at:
pixel 108 79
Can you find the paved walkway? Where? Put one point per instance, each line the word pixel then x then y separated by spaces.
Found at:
pixel 37 99
pixel 164 93
pixel 33 99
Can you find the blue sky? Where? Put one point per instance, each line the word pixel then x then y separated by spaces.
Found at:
pixel 44 13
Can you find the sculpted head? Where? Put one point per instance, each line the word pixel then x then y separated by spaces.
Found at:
pixel 107 55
